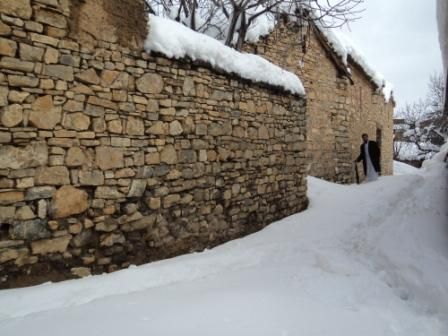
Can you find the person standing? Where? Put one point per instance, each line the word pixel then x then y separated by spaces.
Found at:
pixel 370 156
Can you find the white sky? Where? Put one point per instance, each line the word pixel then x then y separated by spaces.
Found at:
pixel 399 39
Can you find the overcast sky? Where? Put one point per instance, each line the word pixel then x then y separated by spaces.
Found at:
pixel 399 39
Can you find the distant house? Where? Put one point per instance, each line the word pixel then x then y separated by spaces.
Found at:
pixel 345 97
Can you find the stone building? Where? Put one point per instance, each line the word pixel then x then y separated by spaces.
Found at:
pixel 110 156
pixel 343 101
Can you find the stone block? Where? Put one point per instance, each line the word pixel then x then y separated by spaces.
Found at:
pixel 30 53
pixel 175 128
pixel 7 47
pixel 42 209
pixel 154 203
pixel 7 213
pixel 17 96
pixel 77 121
pixel 8 254
pixel 263 133
pixel 25 183
pixel 170 200
pixel 75 157
pixel 188 88
pixel 16 64
pixel 51 56
pixel 152 158
pixel 33 155
pixel 81 272
pixel 4 95
pixel 138 187
pixel 59 71
pixel 73 106
pixel 50 18
pixel 83 238
pixel 110 239
pixel 55 245
pixel 108 77
pixel 102 102
pixel 221 95
pixel 168 155
pixel 24 213
pixel 44 114
pixel 39 192
pixel 34 26
pixel 12 115
pixel 109 157
pixel 57 175
pixel 135 126
pixel 23 81
pixel 158 128
pixel 29 230
pixel 5 30
pixel 187 156
pixel 143 223
pixel 92 178
pixel 68 201
pixel 88 76
pixel 150 83
pixel 125 172
pixel 94 110
pixel 106 192
pixel 18 8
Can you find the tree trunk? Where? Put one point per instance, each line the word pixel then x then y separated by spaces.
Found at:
pixel 232 27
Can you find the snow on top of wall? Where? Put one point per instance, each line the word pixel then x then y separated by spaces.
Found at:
pixel 174 40
pixel 345 47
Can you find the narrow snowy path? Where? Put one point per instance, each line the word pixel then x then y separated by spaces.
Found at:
pixel 368 259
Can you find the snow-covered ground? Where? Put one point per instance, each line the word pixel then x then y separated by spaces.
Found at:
pixel 369 259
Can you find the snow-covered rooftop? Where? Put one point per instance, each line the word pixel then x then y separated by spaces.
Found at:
pixel 174 40
pixel 341 44
pixel 345 48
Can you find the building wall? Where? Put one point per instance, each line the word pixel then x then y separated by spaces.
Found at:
pixel 338 111
pixel 370 114
pixel 110 156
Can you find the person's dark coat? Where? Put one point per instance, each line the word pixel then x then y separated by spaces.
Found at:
pixel 374 153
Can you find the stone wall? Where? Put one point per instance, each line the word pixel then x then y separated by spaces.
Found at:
pixel 110 156
pixel 338 110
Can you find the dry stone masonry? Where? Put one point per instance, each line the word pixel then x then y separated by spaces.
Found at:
pixel 110 156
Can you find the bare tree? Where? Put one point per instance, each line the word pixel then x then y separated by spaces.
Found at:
pixel 427 125
pixel 436 90
pixel 230 20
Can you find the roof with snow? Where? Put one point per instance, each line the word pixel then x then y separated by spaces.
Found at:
pixel 342 51
pixel 174 40
pixel 345 48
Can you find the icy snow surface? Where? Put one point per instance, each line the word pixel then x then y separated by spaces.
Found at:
pixel 369 259
pixel 175 40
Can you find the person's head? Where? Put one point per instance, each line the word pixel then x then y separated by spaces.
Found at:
pixel 365 137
